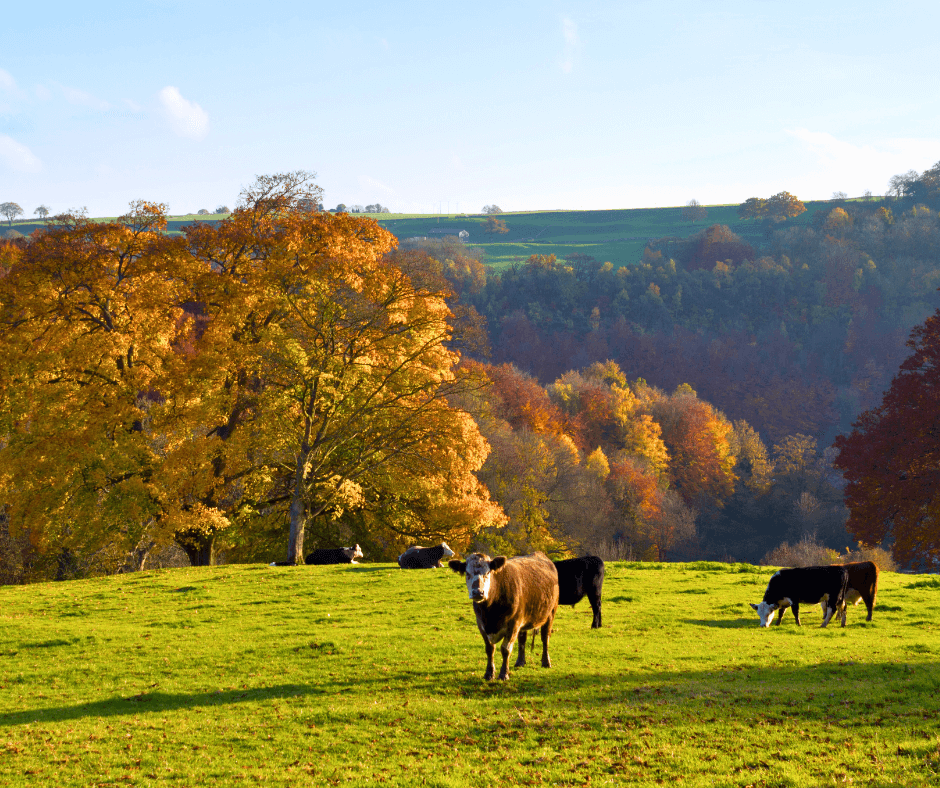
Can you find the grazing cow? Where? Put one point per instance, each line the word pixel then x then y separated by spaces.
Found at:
pixel 863 586
pixel 418 557
pixel 578 577
pixel 511 596
pixel 329 555
pixel 812 584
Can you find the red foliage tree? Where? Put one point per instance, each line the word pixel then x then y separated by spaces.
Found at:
pixel 891 459
pixel 719 244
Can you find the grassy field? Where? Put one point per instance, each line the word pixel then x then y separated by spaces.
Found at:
pixel 369 675
pixel 617 236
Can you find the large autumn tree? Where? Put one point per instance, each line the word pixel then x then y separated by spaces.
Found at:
pixel 891 459
pixel 276 366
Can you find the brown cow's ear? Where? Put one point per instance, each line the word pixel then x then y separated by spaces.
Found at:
pixel 753 605
pixel 460 567
pixel 497 563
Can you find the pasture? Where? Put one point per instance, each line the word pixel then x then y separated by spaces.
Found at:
pixel 371 675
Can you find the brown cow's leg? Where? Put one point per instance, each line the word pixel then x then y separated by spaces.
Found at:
pixel 506 650
pixel 520 660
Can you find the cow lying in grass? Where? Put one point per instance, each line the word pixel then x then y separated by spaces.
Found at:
pixel 418 557
pixel 863 587
pixel 328 555
pixel 811 584
pixel 511 596
pixel 580 577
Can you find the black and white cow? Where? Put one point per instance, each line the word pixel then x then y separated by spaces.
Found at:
pixel 418 557
pixel 328 555
pixel 580 577
pixel 811 584
pixel 334 555
pixel 511 596
pixel 863 587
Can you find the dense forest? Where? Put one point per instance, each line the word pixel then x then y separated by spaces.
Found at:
pixel 287 374
pixel 797 329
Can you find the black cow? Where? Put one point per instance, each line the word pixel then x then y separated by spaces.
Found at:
pixel 510 597
pixel 329 555
pixel 812 584
pixel 418 557
pixel 863 587
pixel 578 577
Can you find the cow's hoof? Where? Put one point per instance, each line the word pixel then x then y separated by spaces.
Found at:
pixel 488 676
pixel 504 677
pixel 546 663
pixel 520 663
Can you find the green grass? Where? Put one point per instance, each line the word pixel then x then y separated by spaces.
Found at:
pixel 617 236
pixel 371 675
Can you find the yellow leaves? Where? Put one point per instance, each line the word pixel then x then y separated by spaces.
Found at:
pixel 597 464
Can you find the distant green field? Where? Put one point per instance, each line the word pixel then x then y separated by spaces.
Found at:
pixel 370 675
pixel 615 236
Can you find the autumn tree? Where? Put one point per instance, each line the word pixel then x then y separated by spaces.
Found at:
pixel 273 368
pixel 491 209
pixel 10 210
pixel 91 314
pixel 698 438
pixel 718 244
pixel 753 208
pixel 784 205
pixel 891 459
pixel 494 226
pixel 333 364
pixel 781 206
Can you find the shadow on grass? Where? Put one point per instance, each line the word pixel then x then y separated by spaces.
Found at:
pixel 154 702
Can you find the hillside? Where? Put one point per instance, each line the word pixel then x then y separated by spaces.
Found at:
pixel 618 236
pixel 371 675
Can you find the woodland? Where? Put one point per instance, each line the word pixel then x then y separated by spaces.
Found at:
pixel 287 378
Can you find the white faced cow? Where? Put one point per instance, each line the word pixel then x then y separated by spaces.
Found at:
pixel 511 596
pixel 811 584
pixel 328 555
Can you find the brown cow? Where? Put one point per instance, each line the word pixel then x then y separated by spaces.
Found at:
pixel 511 596
pixel 863 586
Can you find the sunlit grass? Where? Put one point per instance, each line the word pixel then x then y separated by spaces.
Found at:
pixel 363 675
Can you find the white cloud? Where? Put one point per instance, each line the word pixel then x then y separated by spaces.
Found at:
pixel 569 30
pixel 83 99
pixel 186 118
pixel 17 157
pixel 7 82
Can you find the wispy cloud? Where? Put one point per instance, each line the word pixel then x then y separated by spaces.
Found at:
pixel 569 30
pixel 17 157
pixel 7 82
pixel 186 118
pixel 82 99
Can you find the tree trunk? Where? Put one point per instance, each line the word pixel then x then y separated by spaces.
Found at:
pixel 199 547
pixel 295 544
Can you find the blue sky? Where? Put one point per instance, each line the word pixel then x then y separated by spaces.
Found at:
pixel 441 106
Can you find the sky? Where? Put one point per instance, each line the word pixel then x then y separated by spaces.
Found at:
pixel 447 107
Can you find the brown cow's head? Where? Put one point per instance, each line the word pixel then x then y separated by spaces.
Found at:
pixel 478 568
